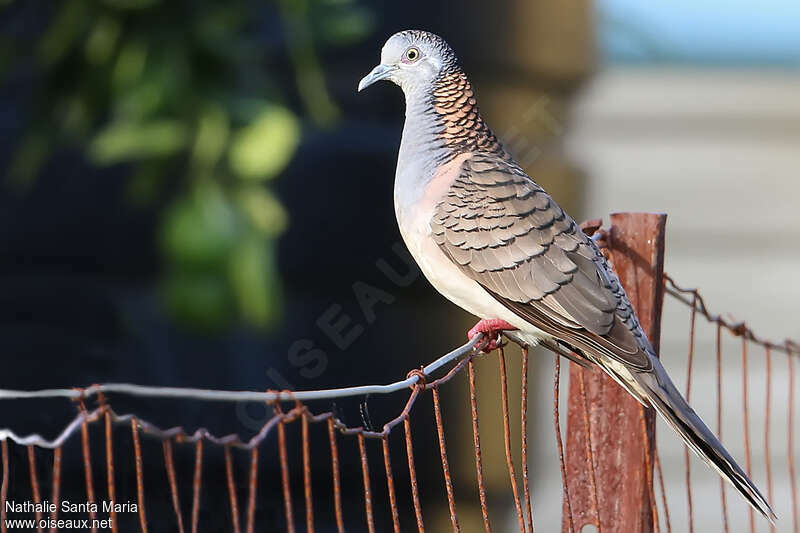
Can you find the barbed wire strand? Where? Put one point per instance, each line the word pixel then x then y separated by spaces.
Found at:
pixel 252 488
pixel 739 329
pixel 790 445
pixel 412 469
pixel 285 482
pixel 512 475
pixel 587 432
pixel 169 465
pixel 232 499
pixel 336 475
pixel 109 449
pixel 648 469
pixel 448 482
pixel 560 441
pixel 362 450
pixel 689 364
pixel 412 475
pixel 56 492
pixel 387 466
pixel 307 487
pixel 35 493
pixel 767 424
pixel 723 496
pixel 524 437
pixel 746 428
pixel 476 441
pixel 237 396
pixel 137 450
pixel 87 465
pixel 657 466
pixel 197 484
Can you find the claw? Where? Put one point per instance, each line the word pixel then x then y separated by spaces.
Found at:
pixel 491 328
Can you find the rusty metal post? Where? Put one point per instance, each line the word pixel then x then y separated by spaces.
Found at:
pixel 618 457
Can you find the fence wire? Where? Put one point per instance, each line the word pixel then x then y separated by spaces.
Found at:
pixel 749 341
pixel 419 381
pixel 289 408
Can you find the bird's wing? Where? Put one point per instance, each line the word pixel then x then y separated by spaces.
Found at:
pixel 506 233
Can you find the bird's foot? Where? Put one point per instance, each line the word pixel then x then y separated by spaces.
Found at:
pixel 491 329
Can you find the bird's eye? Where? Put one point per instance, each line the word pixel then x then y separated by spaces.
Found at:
pixel 412 54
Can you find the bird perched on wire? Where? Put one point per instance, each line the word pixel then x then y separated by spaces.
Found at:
pixel 496 244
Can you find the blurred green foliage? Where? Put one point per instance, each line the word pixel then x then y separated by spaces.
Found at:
pixel 199 90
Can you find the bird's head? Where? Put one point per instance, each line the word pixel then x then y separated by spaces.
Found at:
pixel 412 59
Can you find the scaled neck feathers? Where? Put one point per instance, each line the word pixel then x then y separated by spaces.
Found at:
pixel 463 129
pixel 442 123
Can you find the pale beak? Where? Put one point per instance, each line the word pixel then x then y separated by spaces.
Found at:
pixel 378 73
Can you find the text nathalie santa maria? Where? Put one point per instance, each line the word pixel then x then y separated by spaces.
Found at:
pixel 65 506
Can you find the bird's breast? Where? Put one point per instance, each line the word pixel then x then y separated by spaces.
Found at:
pixel 416 197
pixel 414 218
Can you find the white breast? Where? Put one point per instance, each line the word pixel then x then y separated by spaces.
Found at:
pixel 414 220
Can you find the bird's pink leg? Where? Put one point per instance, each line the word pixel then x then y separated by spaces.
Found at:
pixel 491 328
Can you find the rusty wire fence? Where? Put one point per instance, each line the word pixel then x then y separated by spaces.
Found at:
pixel 738 363
pixel 33 465
pixel 288 409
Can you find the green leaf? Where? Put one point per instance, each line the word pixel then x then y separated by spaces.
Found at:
pixel 140 100
pixel 217 24
pixel 253 279
pixel 211 137
pixel 128 141
pixel 63 32
pixel 102 40
pixel 263 210
pixel 74 115
pixel 347 26
pixel 199 301
pixel 263 148
pixel 130 63
pixel 199 231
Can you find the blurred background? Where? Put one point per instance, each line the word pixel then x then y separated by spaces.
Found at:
pixel 193 194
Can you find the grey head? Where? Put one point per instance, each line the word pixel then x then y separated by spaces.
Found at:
pixel 413 59
pixel 442 116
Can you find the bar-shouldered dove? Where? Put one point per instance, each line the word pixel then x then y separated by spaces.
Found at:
pixel 496 244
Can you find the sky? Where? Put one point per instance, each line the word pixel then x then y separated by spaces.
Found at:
pixel 709 32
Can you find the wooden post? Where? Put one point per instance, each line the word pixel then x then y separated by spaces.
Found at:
pixel 622 431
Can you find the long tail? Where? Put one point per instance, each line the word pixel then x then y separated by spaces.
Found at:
pixel 671 405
